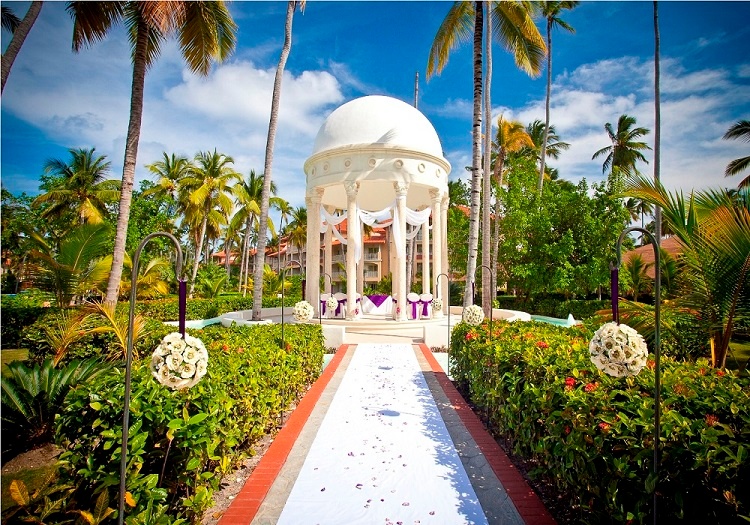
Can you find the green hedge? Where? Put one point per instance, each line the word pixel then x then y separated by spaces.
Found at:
pixel 554 307
pixel 193 436
pixel 18 312
pixel 592 435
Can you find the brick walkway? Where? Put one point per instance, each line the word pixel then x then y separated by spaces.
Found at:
pixel 504 495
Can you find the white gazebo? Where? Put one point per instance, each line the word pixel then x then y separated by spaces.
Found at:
pixel 377 161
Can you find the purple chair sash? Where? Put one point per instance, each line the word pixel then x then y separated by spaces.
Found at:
pixel 413 307
pixel 322 307
pixel 425 309
pixel 338 308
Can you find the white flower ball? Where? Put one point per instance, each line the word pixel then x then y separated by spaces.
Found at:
pixel 618 350
pixel 473 315
pixel 332 303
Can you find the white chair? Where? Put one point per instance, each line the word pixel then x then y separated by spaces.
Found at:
pixel 426 300
pixel 324 310
pixel 341 310
pixel 412 306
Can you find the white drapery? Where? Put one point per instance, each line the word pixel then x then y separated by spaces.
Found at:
pixel 377 219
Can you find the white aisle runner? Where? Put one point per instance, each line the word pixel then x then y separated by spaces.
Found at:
pixel 382 454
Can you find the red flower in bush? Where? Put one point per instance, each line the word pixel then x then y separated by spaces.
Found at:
pixel 720 373
pixel 590 387
pixel 542 344
pixel 651 364
pixel 225 347
pixel 566 430
pixel 711 420
pixel 240 350
pixel 570 381
pixel 604 426
pixel 470 336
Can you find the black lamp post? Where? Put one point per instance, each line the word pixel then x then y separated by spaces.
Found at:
pixel 129 353
pixel 657 340
pixel 448 303
pixel 320 310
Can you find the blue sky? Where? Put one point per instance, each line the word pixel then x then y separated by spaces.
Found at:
pixel 56 99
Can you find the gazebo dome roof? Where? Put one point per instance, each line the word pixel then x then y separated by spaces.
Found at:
pixel 378 120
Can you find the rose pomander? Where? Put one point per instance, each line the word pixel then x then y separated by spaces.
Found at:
pixel 179 363
pixel 437 305
pixel 618 350
pixel 303 311
pixel 473 314
pixel 332 303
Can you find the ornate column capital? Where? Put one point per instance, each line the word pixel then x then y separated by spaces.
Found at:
pixel 351 187
pixel 436 195
pixel 315 196
pixel 401 188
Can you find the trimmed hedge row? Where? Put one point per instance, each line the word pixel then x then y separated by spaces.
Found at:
pixel 554 307
pixel 180 443
pixel 592 435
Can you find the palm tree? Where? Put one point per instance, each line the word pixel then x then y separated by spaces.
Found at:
pixel 638 280
pixel 260 254
pixel 80 185
pixel 740 131
pixel 285 210
pixel 638 209
pixel 249 195
pixel 71 270
pixel 511 137
pixel 714 229
pixel 20 30
pixel 169 173
pixel 554 146
pixel 625 150
pixel 206 32
pixel 209 184
pixel 513 26
pixel 551 11
pixel 297 234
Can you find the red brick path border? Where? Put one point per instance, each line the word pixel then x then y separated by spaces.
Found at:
pixel 246 504
pixel 528 504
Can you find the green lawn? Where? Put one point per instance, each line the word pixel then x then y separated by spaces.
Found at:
pixel 739 356
pixel 8 356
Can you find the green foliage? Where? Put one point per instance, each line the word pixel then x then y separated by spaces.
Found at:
pixel 20 311
pixel 33 395
pixel 210 281
pixel 591 435
pixel 562 243
pixel 554 306
pixel 193 436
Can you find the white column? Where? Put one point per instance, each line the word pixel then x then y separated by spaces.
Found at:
pixel 352 238
pixel 437 252
pixel 402 188
pixel 444 244
pixel 361 262
pixel 328 256
pixel 426 257
pixel 312 288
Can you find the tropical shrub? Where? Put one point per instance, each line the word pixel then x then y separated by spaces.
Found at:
pixel 181 442
pixel 33 395
pixel 591 435
pixel 17 314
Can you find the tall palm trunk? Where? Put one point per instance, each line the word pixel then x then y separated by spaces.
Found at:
pixel 657 119
pixel 198 251
pixel 543 154
pixel 487 285
pixel 17 40
pixel 476 157
pixel 265 195
pixel 131 153
pixel 245 255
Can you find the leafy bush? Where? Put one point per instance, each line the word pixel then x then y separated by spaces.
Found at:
pixel 33 395
pixel 191 436
pixel 553 306
pixel 19 311
pixel 592 435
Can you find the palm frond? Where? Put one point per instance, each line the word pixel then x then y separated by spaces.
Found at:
pixel 457 27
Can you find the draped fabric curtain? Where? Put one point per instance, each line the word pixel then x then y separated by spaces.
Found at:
pixel 377 219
